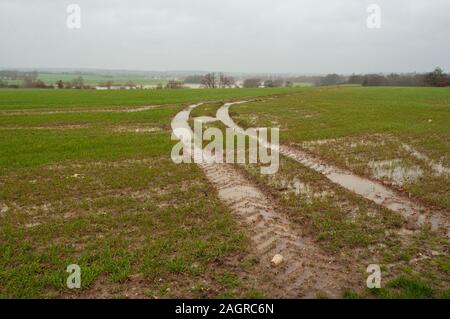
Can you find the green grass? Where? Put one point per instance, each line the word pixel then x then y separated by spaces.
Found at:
pixel 112 201
pixel 323 113
pixel 23 99
pixel 405 287
pixel 119 220
pixel 158 117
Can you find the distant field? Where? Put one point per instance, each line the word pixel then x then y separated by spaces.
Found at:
pixel 22 99
pixel 51 78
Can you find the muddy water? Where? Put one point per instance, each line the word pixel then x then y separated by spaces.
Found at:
pixel 103 110
pixel 437 167
pixel 366 188
pixel 306 271
pixel 205 119
pixel 396 171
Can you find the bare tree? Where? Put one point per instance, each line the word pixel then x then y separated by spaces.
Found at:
pixel 209 80
pixel 225 81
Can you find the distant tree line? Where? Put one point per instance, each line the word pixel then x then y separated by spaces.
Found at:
pixel 5 84
pixel 436 78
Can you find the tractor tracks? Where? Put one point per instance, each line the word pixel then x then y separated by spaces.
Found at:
pixel 306 271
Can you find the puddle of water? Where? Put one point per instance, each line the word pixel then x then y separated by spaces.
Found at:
pixel 103 110
pixel 437 167
pixel 395 170
pixel 137 130
pixel 205 119
pixel 298 188
pixel 353 144
pixel 240 192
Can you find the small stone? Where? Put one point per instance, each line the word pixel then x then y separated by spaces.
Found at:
pixel 195 265
pixel 277 260
pixel 31 225
pixel 4 208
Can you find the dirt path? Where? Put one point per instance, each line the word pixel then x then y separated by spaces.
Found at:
pixel 306 271
pixel 376 192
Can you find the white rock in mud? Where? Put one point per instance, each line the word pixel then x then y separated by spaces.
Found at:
pixel 277 260
pixel 3 208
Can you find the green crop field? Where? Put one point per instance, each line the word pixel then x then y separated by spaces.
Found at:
pixel 99 189
pixel 85 181
pixel 13 99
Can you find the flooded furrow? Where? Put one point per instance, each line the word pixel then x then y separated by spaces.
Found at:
pixel 90 110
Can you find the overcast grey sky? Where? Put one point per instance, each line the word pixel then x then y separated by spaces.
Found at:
pixel 301 36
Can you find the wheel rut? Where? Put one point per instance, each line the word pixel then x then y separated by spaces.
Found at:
pixel 306 270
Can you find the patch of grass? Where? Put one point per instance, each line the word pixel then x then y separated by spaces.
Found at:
pixel 404 287
pixel 350 294
pixel 207 109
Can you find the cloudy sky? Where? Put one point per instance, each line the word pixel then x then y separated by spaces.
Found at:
pixel 299 36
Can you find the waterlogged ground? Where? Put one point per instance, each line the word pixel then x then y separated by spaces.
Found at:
pixel 87 179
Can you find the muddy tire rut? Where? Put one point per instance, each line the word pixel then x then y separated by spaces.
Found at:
pixel 306 271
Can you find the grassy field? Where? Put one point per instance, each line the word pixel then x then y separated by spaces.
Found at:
pixel 99 189
pixel 83 184
pixel 30 99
